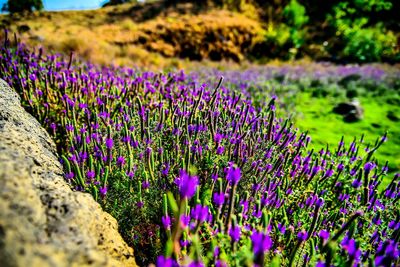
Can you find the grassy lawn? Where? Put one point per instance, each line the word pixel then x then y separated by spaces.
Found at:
pixel 315 115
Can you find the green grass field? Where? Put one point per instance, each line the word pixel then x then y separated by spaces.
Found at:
pixel 314 114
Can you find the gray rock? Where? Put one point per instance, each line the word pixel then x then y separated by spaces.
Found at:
pixel 42 221
pixel 351 111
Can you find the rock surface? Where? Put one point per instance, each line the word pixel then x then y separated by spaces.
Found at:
pixel 42 221
pixel 351 111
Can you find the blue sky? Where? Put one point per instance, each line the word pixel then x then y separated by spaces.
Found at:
pixel 68 4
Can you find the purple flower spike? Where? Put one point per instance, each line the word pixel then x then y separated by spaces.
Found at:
pixel 233 175
pixel 220 263
pixel 32 77
pixel 109 143
pixel 319 202
pixel 235 233
pixel 69 175
pixel 302 236
pixel 281 228
pixel 184 221
pixel 356 183
pixel 324 234
pixel 351 247
pixel 103 191
pixel 165 169
pixel 196 264
pixel 90 174
pixel 368 167
pixel 200 213
pixel 329 173
pixel 187 184
pixel 340 167
pixel 69 127
pixel 145 184
pixel 166 262
pixel 387 253
pixel 218 138
pixel 219 199
pixel 121 161
pixel 166 221
pixel 261 243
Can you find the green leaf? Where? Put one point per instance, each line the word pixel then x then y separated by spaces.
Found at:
pixel 173 204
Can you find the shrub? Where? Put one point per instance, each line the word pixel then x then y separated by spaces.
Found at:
pixel 295 14
pixel 361 40
pixel 369 44
pixel 16 6
pixel 291 34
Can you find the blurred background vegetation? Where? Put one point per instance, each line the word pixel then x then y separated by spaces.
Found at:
pixel 160 32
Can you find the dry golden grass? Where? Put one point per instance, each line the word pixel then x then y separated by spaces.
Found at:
pixel 217 35
pixel 147 35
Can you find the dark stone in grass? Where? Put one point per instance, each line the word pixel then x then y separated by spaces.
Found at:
pixel 351 111
pixel 23 28
pixel 352 117
pixel 391 115
pixel 393 101
pixel 42 221
pixel 376 125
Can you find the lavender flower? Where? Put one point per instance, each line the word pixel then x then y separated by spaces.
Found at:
pixel 109 143
pixel 166 262
pixel 187 184
pixel 166 221
pixel 368 167
pixel 90 174
pixel 350 246
pixel 103 191
pixel 219 199
pixel 356 183
pixel 302 236
pixel 196 264
pixel 200 213
pixel 120 161
pixel 69 175
pixel 261 242
pixel 324 234
pixel 157 123
pixel 233 175
pixel 235 233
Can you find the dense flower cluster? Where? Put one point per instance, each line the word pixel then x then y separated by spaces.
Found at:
pixel 226 183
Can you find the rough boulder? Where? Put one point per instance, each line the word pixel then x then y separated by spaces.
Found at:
pixel 42 221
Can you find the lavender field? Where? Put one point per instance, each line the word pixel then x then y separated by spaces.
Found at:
pixel 215 133
pixel 216 168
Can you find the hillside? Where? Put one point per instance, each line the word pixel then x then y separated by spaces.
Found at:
pixel 158 35
pixel 144 35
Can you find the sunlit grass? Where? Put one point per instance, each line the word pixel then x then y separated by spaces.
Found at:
pixel 316 116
